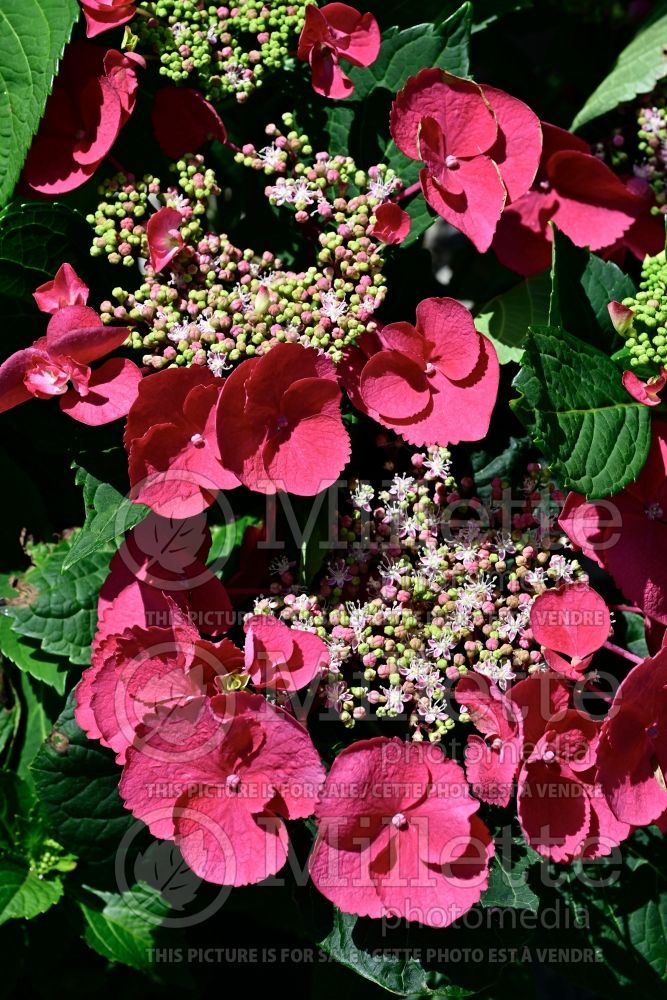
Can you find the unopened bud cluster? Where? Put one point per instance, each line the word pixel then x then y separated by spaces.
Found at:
pixel 430 586
pixel 119 222
pixel 652 145
pixel 646 335
pixel 637 149
pixel 224 50
pixel 216 303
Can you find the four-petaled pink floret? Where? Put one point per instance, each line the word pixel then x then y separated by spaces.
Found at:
pixel 479 146
pixel 93 97
pixel 334 32
pixel 220 776
pixel 58 364
pixel 434 383
pixel 279 423
pixel 398 834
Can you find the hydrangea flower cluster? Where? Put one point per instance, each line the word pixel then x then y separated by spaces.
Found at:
pixel 642 320
pixel 431 588
pixel 214 303
pixel 217 767
pixel 447 656
pixel 225 50
pixel 652 135
pixel 120 221
pixel 638 147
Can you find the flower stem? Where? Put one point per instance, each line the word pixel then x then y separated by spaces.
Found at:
pixel 413 189
pixel 625 653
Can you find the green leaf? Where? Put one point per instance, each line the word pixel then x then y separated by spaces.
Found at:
pixel 60 610
pixel 23 830
pixel 503 466
pixel 17 806
pixel 24 894
pixel 317 523
pixel 508 879
pixel 226 541
pixel 77 784
pixel 603 282
pixel 10 713
pixel 400 975
pixel 28 656
pixel 637 70
pixel 634 638
pixel 35 238
pixel 506 318
pixel 41 706
pixel 27 856
pixel 26 653
pixel 594 435
pixel 647 928
pixel 626 918
pixel 583 285
pixel 403 13
pixel 122 926
pixel 33 34
pixel 404 53
pixel 339 119
pixel 108 516
pixel 422 218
